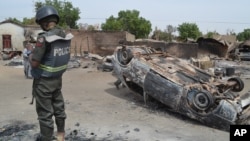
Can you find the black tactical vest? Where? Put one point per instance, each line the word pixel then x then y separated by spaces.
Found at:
pixel 54 62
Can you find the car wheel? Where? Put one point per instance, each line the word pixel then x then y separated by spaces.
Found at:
pixel 125 56
pixel 201 101
pixel 239 84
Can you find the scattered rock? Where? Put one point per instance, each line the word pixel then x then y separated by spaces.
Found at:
pixel 137 130
pixel 77 124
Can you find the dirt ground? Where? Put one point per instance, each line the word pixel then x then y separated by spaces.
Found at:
pixel 96 111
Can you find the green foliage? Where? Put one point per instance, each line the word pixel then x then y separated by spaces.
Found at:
pixel 68 14
pixel 27 21
pixel 91 28
pixel 160 35
pixel 188 30
pixel 130 21
pixel 210 34
pixel 112 24
pixel 243 36
pixel 166 35
pixel 14 20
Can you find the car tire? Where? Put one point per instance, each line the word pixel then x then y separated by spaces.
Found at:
pixel 239 86
pixel 202 101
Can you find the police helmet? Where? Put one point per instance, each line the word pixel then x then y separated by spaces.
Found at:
pixel 46 11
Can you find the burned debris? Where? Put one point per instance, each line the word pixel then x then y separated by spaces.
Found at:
pixel 89 60
pixel 182 87
pixel 204 89
pixel 9 54
pixel 106 64
pixel 242 52
pixel 18 130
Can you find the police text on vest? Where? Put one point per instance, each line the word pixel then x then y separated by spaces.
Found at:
pixel 61 51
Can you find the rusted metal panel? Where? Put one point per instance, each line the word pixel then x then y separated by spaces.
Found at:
pixel 212 46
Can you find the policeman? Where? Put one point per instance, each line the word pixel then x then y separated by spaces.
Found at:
pixel 49 61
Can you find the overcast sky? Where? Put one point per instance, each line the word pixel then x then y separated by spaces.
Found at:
pixel 209 15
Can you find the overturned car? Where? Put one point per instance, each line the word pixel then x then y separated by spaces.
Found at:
pixel 182 87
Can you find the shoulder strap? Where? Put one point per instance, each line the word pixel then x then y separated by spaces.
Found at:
pixel 56 37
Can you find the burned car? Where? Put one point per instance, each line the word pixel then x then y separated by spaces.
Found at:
pixel 240 51
pixel 182 87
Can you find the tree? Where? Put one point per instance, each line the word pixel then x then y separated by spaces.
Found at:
pixel 245 35
pixel 188 30
pixel 112 24
pixel 68 14
pixel 170 30
pixel 14 20
pixel 156 34
pixel 166 35
pixel 31 21
pixel 210 34
pixel 130 21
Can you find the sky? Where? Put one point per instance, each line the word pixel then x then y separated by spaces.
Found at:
pixel 221 16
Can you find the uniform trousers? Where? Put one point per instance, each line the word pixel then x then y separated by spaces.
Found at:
pixel 49 103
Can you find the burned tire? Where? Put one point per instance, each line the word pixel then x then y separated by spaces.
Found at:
pixel 239 84
pixel 125 56
pixel 201 101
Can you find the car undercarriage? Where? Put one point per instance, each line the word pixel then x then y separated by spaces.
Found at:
pixel 182 87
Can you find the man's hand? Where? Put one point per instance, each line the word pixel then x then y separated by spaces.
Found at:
pixel 34 63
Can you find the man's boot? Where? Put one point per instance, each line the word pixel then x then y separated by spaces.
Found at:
pixel 60 136
pixel 46 133
pixel 60 123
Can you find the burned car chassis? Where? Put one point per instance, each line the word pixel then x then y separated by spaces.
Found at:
pixel 182 87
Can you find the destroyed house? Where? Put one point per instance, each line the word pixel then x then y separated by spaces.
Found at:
pixel 12 36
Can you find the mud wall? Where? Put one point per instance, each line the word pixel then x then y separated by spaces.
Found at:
pixel 181 50
pixel 98 42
